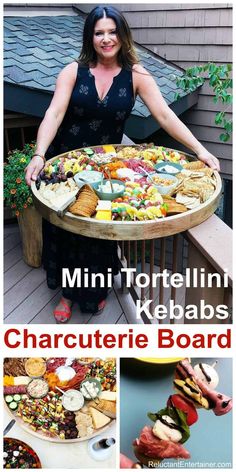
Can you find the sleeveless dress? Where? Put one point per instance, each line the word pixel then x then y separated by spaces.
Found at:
pixel 88 121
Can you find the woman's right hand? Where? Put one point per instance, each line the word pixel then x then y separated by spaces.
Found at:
pixel 33 169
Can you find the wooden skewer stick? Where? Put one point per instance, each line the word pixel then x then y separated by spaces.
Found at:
pixel 109 177
pixel 60 390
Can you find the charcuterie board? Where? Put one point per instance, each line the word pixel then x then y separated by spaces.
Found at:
pixel 144 211
pixel 81 408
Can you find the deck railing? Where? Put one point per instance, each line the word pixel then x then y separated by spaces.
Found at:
pixel 203 250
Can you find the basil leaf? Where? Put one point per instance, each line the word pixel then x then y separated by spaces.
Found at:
pixel 183 423
pixel 179 418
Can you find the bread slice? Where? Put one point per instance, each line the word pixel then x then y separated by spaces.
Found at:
pixel 105 406
pixel 107 395
pixel 99 419
pixel 84 424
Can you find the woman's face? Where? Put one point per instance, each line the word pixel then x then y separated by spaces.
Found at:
pixel 105 40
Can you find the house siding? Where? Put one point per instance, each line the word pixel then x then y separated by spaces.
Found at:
pixel 188 34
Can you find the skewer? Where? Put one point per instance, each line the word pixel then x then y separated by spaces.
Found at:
pixel 147 173
pixel 88 393
pixel 60 390
pixel 109 177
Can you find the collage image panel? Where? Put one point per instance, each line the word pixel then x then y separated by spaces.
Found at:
pixel 118 163
pixel 59 413
pixel 176 413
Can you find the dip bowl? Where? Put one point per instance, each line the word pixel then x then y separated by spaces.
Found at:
pixel 161 166
pixel 91 177
pixel 85 389
pixel 105 193
pixel 162 187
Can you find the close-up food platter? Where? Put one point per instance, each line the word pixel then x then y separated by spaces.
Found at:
pixel 179 408
pixel 61 399
pixel 19 455
pixel 126 192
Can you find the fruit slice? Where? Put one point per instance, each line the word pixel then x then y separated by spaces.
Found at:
pixel 179 402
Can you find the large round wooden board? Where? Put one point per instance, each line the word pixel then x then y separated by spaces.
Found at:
pixel 41 435
pixel 130 230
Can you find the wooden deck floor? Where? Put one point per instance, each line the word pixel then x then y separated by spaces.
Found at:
pixel 27 299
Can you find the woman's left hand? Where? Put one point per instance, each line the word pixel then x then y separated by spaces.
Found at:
pixel 209 159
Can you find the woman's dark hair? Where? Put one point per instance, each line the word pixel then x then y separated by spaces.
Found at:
pixel 127 56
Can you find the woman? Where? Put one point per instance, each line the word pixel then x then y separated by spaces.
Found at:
pixel 92 100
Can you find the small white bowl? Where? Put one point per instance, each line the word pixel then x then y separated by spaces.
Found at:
pixel 91 177
pixel 165 189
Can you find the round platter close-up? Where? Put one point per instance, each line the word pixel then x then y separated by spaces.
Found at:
pixel 19 455
pixel 194 202
pixel 70 403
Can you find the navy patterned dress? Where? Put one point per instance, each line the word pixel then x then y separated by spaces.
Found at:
pixel 88 121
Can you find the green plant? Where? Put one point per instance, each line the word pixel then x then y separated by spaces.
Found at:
pixel 17 194
pixel 221 83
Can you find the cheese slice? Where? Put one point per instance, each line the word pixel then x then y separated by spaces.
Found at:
pixel 99 419
pixel 108 148
pixel 21 380
pixel 103 215
pixel 105 406
pixel 104 205
pixel 111 396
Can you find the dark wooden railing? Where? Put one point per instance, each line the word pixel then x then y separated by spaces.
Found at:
pixel 207 248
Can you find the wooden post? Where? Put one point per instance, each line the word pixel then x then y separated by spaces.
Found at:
pixel 151 271
pixel 212 295
pixel 143 268
pixel 162 267
pixel 174 268
pixel 30 224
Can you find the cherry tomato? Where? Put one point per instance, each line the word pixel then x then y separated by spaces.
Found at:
pixel 187 407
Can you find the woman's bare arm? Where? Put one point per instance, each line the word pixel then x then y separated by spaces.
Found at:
pixel 52 119
pixel 147 89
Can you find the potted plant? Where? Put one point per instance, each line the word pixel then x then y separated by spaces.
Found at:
pixel 17 196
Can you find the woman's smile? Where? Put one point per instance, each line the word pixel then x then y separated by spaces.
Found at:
pixel 107 48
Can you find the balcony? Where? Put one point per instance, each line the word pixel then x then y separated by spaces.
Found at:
pixel 207 247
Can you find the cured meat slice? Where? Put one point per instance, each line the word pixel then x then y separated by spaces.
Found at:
pixel 153 447
pixel 21 389
pixel 125 462
pixel 184 370
pixel 221 404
